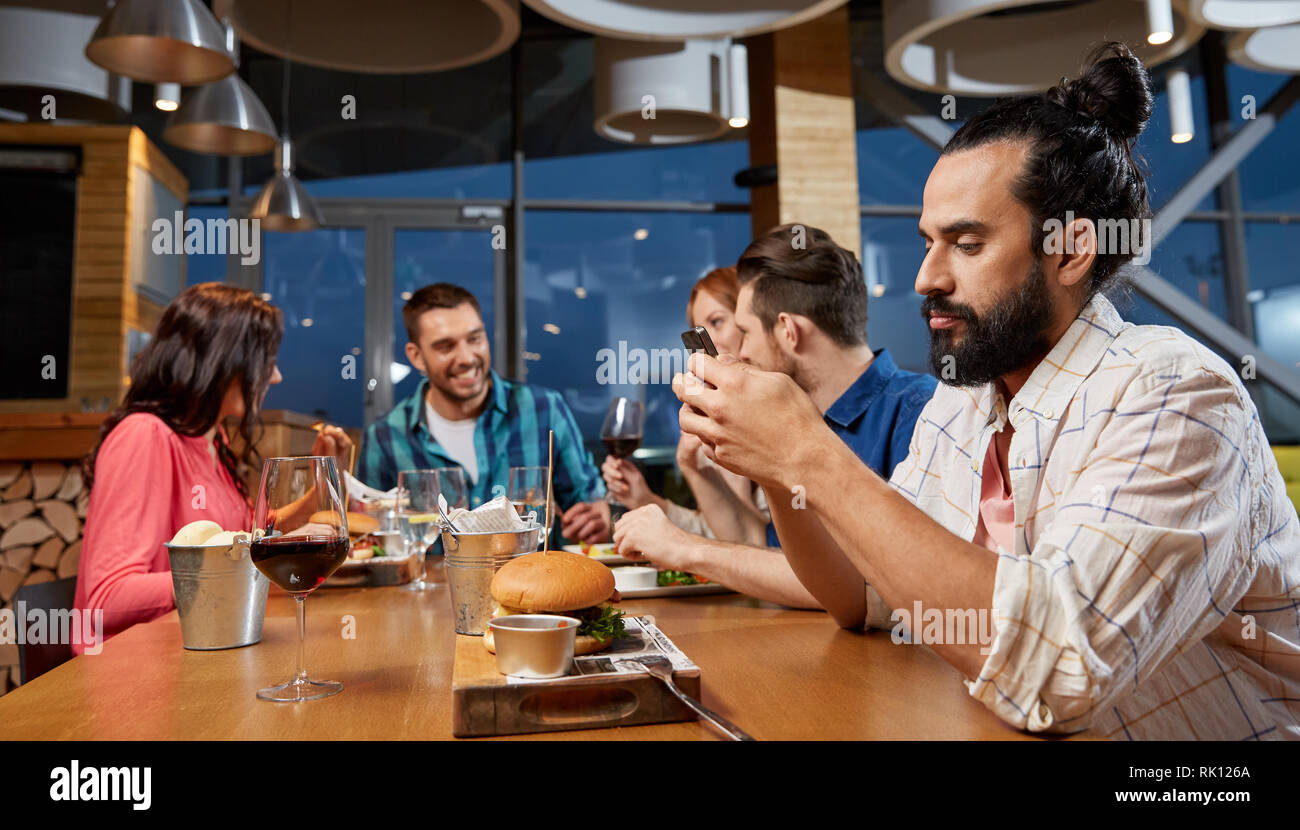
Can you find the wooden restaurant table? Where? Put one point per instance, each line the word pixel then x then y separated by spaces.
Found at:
pixel 778 673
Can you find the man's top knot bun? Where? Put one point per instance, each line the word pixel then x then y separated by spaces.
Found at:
pixel 1114 90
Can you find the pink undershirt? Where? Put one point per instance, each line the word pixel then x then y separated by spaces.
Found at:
pixel 997 525
pixel 149 482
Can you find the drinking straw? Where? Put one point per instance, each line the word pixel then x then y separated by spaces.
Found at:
pixel 550 463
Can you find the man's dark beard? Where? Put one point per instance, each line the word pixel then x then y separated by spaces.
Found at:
pixel 1011 335
pixel 451 392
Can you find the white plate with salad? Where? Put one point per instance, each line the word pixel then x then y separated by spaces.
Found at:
pixel 677 584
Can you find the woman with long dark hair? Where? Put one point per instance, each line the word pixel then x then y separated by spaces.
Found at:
pixel 164 459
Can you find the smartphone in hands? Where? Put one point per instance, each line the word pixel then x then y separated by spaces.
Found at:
pixel 697 339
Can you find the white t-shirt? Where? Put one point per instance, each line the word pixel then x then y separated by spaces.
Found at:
pixel 457 438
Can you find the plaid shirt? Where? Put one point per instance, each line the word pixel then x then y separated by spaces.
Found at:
pixel 511 432
pixel 1154 589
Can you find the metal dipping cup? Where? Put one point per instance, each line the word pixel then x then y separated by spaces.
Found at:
pixel 220 595
pixel 472 560
pixel 534 645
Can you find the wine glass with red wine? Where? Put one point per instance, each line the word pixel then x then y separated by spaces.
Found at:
pixel 300 532
pixel 622 431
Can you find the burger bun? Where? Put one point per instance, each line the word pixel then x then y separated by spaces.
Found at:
pixel 359 524
pixel 552 581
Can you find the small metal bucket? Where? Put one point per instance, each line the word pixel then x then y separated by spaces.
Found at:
pixel 220 595
pixel 472 560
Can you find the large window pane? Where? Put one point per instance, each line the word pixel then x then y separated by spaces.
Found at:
pixel 205 267
pixel 693 173
pixel 1191 257
pixel 891 256
pixel 1272 248
pixel 1270 179
pixel 598 280
pixel 1275 302
pixel 318 279
pixel 422 257
pixel 1171 165
pixel 893 165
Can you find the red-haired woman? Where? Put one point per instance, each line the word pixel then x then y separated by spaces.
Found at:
pixel 164 460
pixel 732 508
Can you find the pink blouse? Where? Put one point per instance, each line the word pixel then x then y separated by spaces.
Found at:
pixel 149 482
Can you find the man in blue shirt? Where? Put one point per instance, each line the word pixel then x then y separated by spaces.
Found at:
pixel 466 415
pixel 802 310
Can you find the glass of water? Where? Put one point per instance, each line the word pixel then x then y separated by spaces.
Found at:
pixel 527 492
pixel 417 512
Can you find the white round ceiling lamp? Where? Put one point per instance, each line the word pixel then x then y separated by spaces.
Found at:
pixel 1244 14
pixel 658 93
pixel 1275 49
pixel 990 48
pixel 667 20
pixel 377 36
pixel 42 52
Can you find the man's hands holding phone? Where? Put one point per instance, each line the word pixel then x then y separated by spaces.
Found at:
pixel 746 418
pixel 695 340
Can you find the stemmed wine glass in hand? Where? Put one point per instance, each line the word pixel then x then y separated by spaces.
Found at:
pixel 622 431
pixel 301 537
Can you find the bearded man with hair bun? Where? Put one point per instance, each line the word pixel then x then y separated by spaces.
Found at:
pixel 1105 490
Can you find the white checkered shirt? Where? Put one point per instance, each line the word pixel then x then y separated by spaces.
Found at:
pixel 1154 589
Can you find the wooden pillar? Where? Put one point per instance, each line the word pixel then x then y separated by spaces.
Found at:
pixel 801 120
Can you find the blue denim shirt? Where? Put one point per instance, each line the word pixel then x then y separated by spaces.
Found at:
pixel 876 415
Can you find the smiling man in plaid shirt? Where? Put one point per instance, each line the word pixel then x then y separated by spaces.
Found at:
pixel 465 415
pixel 1105 489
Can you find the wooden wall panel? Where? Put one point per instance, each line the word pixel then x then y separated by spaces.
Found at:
pixel 104 302
pixel 802 120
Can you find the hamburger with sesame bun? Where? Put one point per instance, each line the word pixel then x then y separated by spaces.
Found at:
pixel 559 582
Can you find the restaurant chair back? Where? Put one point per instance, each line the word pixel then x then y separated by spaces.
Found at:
pixel 35 659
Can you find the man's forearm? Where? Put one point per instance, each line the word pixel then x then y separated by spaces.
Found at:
pixel 759 572
pixel 817 562
pixel 903 553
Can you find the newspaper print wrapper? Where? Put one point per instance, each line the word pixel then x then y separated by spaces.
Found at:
pixel 643 639
pixel 496 516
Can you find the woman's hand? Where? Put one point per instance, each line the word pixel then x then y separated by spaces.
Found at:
pixel 332 441
pixel 625 482
pixel 688 453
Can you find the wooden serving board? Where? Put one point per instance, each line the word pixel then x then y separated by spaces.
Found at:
pixel 485 702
